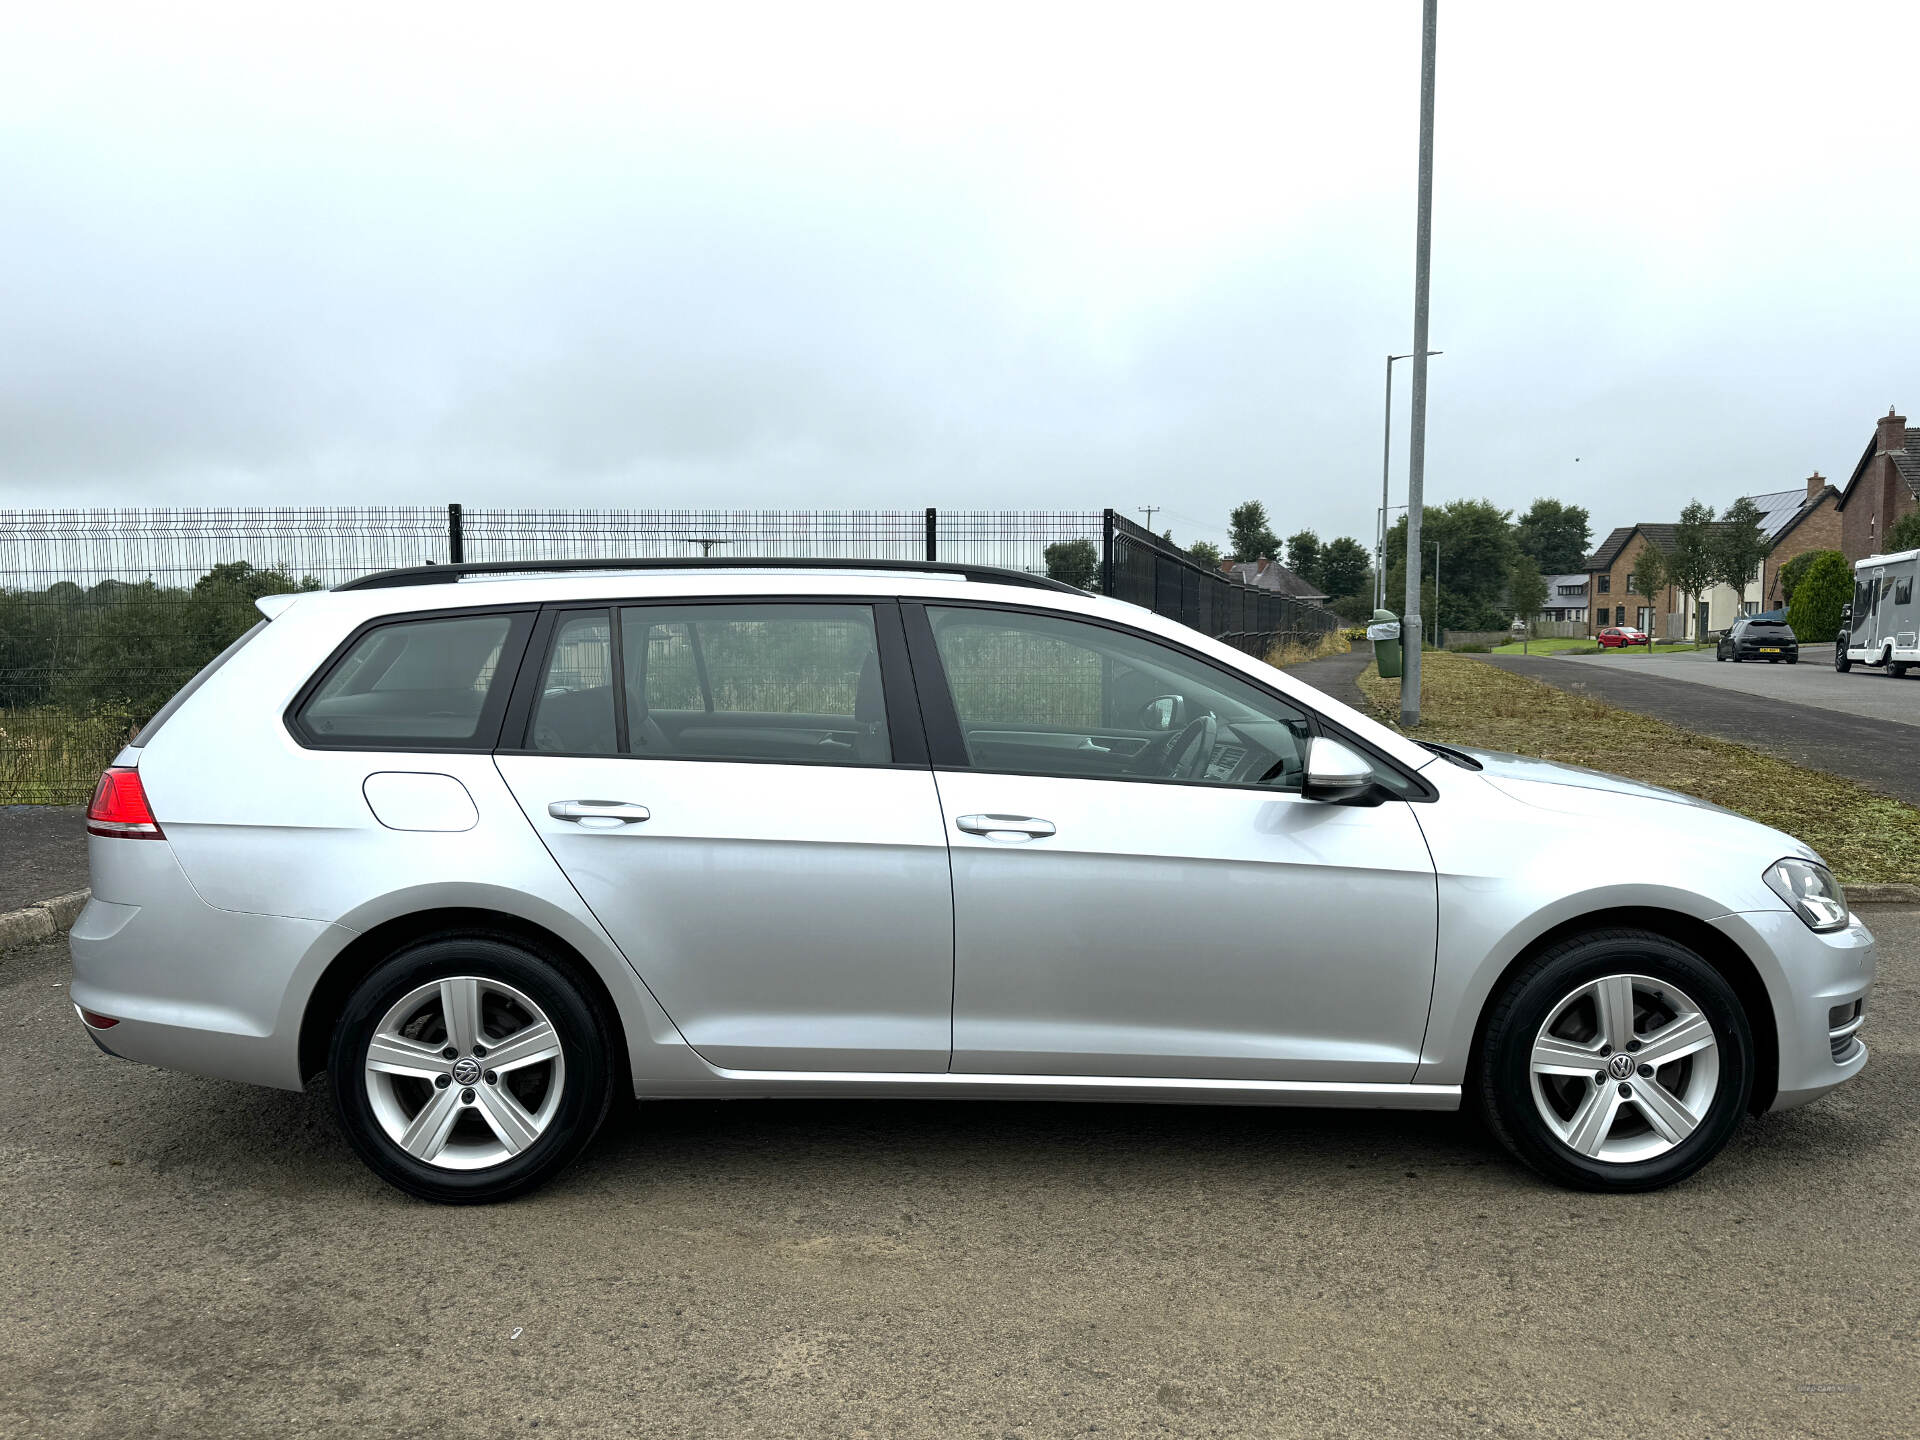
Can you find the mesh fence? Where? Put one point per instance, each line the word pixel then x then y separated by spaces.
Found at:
pixel 105 613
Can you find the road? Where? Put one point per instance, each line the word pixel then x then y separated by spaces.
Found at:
pixel 184 1257
pixel 1720 700
pixel 43 853
pixel 1869 694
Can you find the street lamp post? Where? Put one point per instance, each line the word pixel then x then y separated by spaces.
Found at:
pixel 1417 443
pixel 1386 461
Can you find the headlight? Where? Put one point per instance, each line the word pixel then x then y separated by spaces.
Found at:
pixel 1811 892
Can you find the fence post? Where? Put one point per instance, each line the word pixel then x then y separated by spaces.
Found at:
pixel 933 535
pixel 456 541
pixel 1106 552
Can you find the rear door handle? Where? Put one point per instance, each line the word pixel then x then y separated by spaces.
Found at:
pixel 599 814
pixel 1008 829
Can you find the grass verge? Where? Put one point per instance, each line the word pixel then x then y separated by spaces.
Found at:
pixel 1333 643
pixel 1866 838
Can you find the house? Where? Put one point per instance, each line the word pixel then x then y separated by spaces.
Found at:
pixel 1794 522
pixel 1566 597
pixel 1883 489
pixel 1610 576
pixel 1265 574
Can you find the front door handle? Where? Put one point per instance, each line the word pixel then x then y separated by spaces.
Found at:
pixel 599 814
pixel 1007 829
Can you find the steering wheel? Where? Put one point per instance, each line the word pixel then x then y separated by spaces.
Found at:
pixel 1199 736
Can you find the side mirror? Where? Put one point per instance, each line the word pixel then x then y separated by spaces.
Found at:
pixel 1335 771
pixel 1165 713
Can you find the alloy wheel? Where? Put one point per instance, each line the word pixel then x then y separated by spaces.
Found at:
pixel 1624 1068
pixel 464 1072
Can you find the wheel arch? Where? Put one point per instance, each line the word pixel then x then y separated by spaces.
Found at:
pixel 1710 944
pixel 367 950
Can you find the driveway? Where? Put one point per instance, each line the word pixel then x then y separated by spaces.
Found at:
pixel 1869 694
pixel 186 1257
pixel 43 853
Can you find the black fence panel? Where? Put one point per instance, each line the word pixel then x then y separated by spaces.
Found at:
pixel 105 613
pixel 1151 572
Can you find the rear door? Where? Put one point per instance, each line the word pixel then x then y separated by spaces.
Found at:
pixel 740 791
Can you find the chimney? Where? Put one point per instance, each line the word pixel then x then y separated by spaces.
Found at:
pixel 1264 562
pixel 1816 482
pixel 1891 433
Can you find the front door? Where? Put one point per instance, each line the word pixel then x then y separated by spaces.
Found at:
pixel 1140 888
pixel 730 790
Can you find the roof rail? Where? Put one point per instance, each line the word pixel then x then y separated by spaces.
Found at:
pixel 449 574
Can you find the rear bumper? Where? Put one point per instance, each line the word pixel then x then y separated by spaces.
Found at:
pixel 194 988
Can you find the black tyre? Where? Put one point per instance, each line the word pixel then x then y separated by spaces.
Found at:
pixel 1840 660
pixel 1897 669
pixel 1618 1060
pixel 470 1068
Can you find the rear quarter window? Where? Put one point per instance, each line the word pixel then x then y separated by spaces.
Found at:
pixel 432 683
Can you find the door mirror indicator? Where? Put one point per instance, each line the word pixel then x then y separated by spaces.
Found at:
pixel 1336 771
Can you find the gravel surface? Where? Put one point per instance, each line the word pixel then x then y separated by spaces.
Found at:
pixel 43 853
pixel 184 1257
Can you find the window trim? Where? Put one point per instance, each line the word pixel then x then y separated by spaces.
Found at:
pixel 493 710
pixel 947 742
pixel 905 735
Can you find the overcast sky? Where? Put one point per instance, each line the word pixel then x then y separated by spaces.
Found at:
pixel 815 256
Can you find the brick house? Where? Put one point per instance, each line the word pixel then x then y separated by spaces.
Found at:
pixel 1794 522
pixel 1615 601
pixel 1884 488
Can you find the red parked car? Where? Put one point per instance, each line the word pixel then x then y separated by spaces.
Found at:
pixel 1618 635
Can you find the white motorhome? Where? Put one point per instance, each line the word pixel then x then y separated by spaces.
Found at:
pixel 1881 626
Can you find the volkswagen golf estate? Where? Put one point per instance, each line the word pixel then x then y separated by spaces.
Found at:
pixel 491 846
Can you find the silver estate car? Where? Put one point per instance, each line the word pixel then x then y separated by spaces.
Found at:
pixel 490 849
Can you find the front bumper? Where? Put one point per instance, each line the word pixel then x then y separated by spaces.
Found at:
pixel 1812 976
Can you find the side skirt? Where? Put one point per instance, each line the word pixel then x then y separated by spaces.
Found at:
pixel 797 1084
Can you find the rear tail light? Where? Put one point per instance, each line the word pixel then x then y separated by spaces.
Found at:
pixel 120 807
pixel 94 1020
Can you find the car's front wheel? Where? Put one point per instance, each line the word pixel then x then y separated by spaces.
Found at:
pixel 467 1069
pixel 1618 1060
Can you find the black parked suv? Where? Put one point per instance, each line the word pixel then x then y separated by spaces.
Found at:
pixel 1759 637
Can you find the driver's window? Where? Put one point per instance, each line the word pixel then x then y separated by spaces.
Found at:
pixel 1045 695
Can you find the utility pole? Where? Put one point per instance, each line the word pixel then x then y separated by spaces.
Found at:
pixel 1417 444
pixel 1149 511
pixel 1386 461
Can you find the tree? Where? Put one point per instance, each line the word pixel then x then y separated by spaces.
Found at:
pixel 1818 598
pixel 1795 570
pixel 1651 574
pixel 1526 590
pixel 1691 565
pixel 1073 562
pixel 1555 535
pixel 1739 545
pixel 1904 533
pixel 1206 552
pixel 1345 569
pixel 1251 533
pixel 1476 562
pixel 1304 556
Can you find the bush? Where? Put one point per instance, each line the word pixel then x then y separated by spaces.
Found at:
pixel 1471 649
pixel 1818 598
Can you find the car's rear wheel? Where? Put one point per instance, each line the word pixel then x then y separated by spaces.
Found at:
pixel 1618 1060
pixel 1897 669
pixel 1840 660
pixel 467 1069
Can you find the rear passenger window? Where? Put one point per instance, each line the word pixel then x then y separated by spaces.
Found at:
pixel 416 684
pixel 1903 590
pixel 574 714
pixel 793 683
